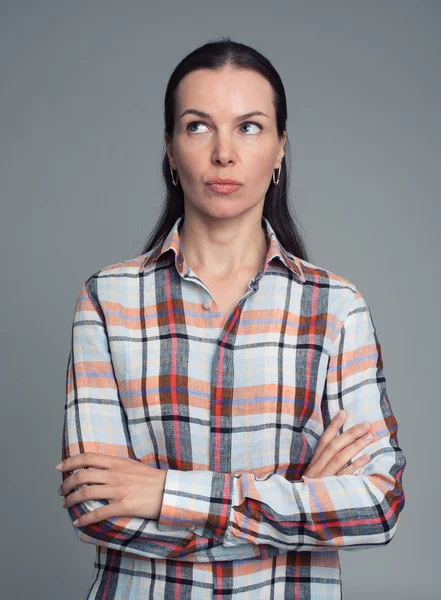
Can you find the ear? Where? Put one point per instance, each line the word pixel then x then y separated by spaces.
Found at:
pixel 168 146
pixel 281 152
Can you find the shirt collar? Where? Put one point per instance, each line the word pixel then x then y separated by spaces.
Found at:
pixel 172 242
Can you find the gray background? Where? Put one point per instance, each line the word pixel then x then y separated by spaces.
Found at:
pixel 82 87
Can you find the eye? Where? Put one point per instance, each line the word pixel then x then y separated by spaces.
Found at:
pixel 201 123
pixel 252 123
pixel 194 123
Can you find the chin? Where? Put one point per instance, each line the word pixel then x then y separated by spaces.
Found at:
pixel 222 206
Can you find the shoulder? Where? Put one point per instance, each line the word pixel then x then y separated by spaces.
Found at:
pixel 113 282
pixel 127 267
pixel 322 276
pixel 339 293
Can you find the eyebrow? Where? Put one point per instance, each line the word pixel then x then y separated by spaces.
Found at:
pixel 204 115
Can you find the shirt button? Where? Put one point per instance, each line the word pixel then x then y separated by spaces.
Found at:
pixel 207 305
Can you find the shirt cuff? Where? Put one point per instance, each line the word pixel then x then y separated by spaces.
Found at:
pixel 199 501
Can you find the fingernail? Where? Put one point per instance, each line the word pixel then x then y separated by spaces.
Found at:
pixel 63 502
pixel 59 466
pixel 76 522
pixel 368 436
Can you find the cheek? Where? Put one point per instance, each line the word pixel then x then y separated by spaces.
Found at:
pixel 259 171
pixel 260 160
pixel 192 162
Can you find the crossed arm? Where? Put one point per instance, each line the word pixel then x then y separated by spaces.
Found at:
pixel 198 511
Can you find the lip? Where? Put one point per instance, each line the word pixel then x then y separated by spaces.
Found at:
pixel 220 181
pixel 224 188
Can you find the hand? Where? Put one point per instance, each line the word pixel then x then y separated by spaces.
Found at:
pixel 334 451
pixel 132 488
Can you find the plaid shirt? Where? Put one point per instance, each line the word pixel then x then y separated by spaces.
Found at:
pixel 233 410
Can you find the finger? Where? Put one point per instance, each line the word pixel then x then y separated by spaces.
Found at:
pixel 100 514
pixel 81 477
pixel 345 455
pixel 335 446
pixel 87 459
pixel 90 492
pixel 360 462
pixel 330 433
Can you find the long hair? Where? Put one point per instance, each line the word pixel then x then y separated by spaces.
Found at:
pixel 215 55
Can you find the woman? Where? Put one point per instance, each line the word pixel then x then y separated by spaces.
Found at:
pixel 213 443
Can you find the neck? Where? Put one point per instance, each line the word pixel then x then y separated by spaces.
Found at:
pixel 224 249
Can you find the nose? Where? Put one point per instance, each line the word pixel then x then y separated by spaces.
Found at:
pixel 224 151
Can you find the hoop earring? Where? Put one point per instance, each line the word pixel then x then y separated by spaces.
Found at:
pixel 278 179
pixel 175 183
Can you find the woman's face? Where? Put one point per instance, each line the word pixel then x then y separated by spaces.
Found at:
pixel 223 143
